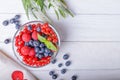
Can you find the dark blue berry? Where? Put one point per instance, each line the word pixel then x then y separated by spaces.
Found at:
pixel 31 43
pixel 60 65
pixel 17 16
pixel 7 41
pixel 12 20
pixel 66 56
pixel 16 22
pixel 37 49
pixel 17 26
pixel 29 27
pixel 54 76
pixel 42 45
pixel 26 43
pixel 41 50
pixel 51 73
pixel 45 36
pixel 74 77
pixel 40 56
pixel 38 29
pixel 51 53
pixel 37 55
pixel 63 71
pixel 68 63
pixel 47 50
pixel 5 23
pixel 36 43
pixel 53 61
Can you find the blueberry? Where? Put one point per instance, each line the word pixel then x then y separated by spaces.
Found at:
pixel 60 65
pixel 51 73
pixel 51 53
pixel 54 76
pixel 7 41
pixel 40 56
pixel 47 50
pixel 26 43
pixel 16 22
pixel 38 29
pixel 17 16
pixel 37 49
pixel 45 36
pixel 29 27
pixel 17 26
pixel 46 54
pixel 12 20
pixel 66 56
pixel 41 50
pixel 36 43
pixel 53 61
pixel 31 43
pixel 5 23
pixel 74 77
pixel 63 71
pixel 37 55
pixel 68 63
pixel 42 45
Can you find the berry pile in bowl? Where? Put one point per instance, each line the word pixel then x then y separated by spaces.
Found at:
pixel 36 43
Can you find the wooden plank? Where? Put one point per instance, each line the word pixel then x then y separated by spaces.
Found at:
pixel 78 6
pixel 82 74
pixel 84 55
pixel 79 28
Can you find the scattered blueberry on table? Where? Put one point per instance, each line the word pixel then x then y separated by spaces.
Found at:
pixel 74 77
pixel 51 73
pixel 63 71
pixel 7 41
pixel 14 20
pixel 54 76
pixel 53 61
pixel 68 63
pixel 60 65
pixel 65 57
pixel 5 23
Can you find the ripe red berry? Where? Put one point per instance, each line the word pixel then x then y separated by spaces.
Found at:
pixel 32 53
pixel 34 35
pixel 26 37
pixel 25 50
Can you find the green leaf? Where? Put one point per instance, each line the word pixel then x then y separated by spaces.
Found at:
pixel 49 44
pixel 40 38
pixel 41 4
pixel 69 12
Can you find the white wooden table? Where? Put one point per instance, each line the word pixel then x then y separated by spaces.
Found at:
pixel 92 38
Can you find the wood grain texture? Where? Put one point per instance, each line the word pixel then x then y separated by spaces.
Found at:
pixel 77 6
pixel 79 28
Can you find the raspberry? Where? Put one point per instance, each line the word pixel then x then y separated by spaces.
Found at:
pixel 26 37
pixel 34 35
pixel 32 52
pixel 25 50
pixel 17 75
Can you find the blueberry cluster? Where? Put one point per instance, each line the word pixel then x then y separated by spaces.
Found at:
pixel 64 70
pixel 14 20
pixel 40 49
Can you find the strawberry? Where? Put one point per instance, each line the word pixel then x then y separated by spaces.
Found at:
pixel 34 35
pixel 26 37
pixel 25 50
pixel 32 52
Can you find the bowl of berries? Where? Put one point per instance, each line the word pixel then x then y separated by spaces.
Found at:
pixel 36 44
